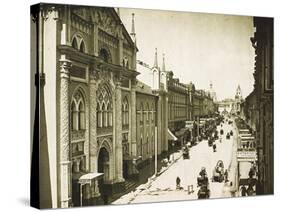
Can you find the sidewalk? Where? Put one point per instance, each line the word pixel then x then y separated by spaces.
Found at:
pixel 128 198
pixel 232 169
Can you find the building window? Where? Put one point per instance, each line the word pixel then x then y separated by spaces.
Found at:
pixel 81 116
pixel 73 116
pixel 99 115
pixel 78 43
pixel 78 112
pixel 141 113
pixel 125 111
pixel 104 55
pixel 82 47
pixel 147 112
pixel 104 106
pixel 74 43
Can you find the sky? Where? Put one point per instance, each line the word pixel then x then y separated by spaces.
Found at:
pixel 198 47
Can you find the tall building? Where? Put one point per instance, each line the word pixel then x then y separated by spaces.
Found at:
pixel 264 45
pixel 238 99
pixel 212 92
pixel 87 71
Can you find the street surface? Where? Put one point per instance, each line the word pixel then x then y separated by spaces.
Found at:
pixel 163 188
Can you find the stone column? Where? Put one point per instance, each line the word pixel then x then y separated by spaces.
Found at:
pixel 120 47
pixel 93 131
pixel 96 46
pixel 133 121
pixel 65 164
pixel 118 133
pixel 159 124
pixel 93 123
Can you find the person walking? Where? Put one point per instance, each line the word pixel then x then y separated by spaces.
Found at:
pixel 226 176
pixel 178 183
pixel 243 191
pixel 250 190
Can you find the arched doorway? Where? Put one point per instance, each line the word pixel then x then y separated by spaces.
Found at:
pixel 103 167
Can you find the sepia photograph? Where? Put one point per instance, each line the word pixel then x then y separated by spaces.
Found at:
pixel 143 106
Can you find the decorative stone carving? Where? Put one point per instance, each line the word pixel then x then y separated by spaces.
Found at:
pixel 102 17
pixel 77 135
pixel 64 132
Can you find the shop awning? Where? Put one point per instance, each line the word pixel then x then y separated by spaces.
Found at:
pixel 171 136
pixel 89 177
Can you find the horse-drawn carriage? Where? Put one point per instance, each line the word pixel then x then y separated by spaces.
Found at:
pixel 203 192
pixel 203 183
pixel 202 179
pixel 218 172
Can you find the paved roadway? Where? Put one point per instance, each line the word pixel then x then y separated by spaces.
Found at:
pixel 163 188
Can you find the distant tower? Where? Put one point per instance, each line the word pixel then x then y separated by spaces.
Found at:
pixel 238 100
pixel 163 78
pixel 238 95
pixel 155 72
pixel 213 93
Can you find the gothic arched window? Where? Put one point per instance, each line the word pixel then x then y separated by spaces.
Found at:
pixel 99 115
pixel 73 116
pixel 81 116
pixel 82 47
pixel 78 112
pixel 147 112
pixel 141 112
pixel 104 106
pixel 104 55
pixel 74 43
pixel 125 111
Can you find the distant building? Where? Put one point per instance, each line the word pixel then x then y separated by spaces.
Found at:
pixel 213 94
pixel 231 106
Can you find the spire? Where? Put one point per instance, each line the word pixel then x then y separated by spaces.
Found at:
pixel 163 64
pixel 133 32
pixel 155 59
pixel 211 85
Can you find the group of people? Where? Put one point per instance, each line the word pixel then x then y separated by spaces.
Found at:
pixel 249 191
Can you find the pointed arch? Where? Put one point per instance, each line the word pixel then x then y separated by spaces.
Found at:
pixel 82 47
pixel 78 109
pixel 104 103
pixel 74 43
pixel 105 54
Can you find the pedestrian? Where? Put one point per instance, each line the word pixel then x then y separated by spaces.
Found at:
pixel 243 191
pixel 232 189
pixel 226 175
pixel 178 183
pixel 250 190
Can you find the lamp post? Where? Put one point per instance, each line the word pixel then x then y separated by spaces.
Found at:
pixel 155 151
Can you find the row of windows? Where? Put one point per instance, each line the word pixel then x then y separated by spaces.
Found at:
pixel 146 114
pixel 176 111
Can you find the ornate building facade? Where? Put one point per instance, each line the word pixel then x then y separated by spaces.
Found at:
pixel 87 66
pixel 263 44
